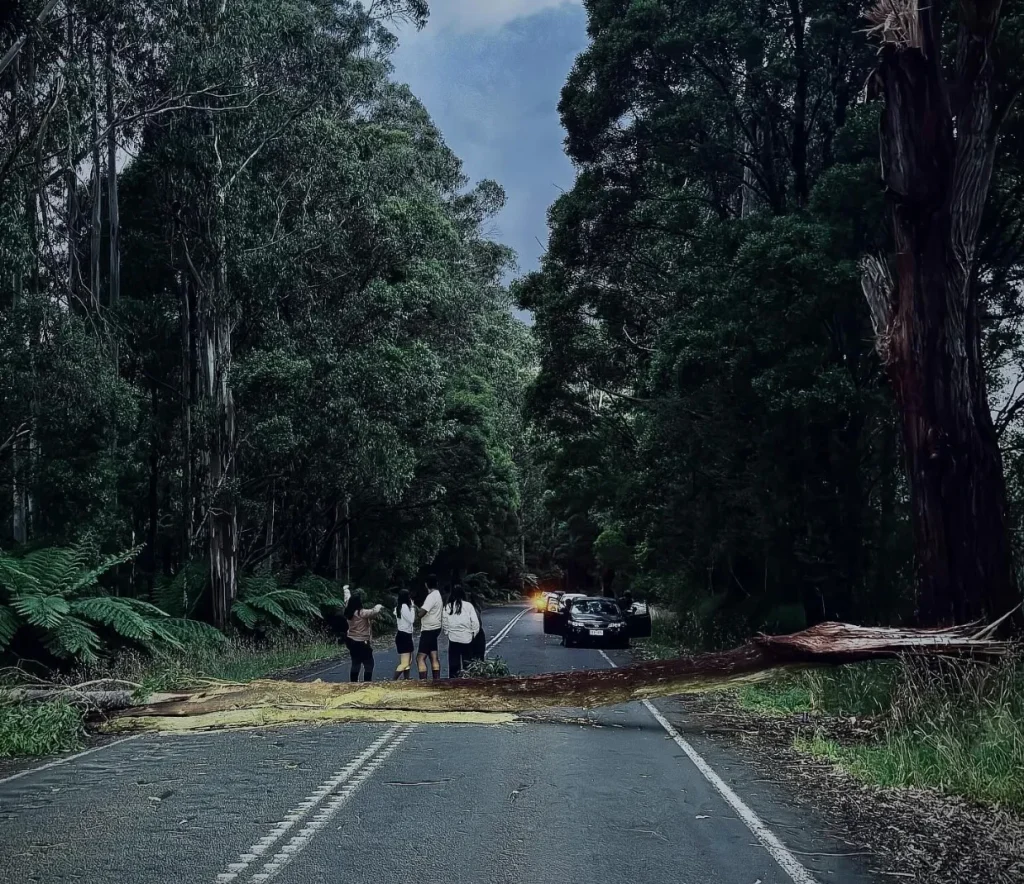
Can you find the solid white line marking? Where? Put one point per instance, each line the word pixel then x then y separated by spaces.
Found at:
pixel 60 761
pixel 324 815
pixel 506 629
pixel 778 851
pixel 303 808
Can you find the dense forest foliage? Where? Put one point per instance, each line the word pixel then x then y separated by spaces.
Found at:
pixel 255 341
pixel 251 328
pixel 726 434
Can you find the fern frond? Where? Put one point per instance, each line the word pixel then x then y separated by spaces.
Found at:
pixel 13 578
pixel 39 609
pixel 180 595
pixel 146 609
pixel 9 624
pixel 52 568
pixel 116 613
pixel 192 632
pixel 87 577
pixel 321 592
pixel 73 638
pixel 252 610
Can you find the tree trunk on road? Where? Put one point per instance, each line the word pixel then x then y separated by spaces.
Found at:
pixel 937 149
pixel 274 702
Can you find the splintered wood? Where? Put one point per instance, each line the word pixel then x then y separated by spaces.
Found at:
pixel 263 703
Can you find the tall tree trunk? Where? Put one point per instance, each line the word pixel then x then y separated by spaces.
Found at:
pixel 223 522
pixel 926 321
pixel 72 190
pixel 799 135
pixel 152 558
pixel 113 210
pixel 216 334
pixel 186 319
pixel 97 179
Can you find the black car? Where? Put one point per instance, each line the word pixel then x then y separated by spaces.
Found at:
pixel 590 620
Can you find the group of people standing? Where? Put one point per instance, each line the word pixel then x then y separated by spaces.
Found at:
pixel 458 618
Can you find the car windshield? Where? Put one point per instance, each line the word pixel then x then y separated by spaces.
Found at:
pixel 595 606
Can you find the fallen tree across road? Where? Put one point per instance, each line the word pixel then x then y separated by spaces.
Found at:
pixel 501 700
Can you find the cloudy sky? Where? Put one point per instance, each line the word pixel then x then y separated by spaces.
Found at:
pixel 490 73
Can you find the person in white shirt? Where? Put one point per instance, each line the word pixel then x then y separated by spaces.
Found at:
pixel 430 630
pixel 405 614
pixel 460 623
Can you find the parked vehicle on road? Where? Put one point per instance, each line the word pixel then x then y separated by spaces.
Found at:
pixel 593 620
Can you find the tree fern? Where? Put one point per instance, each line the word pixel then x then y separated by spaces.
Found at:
pixel 117 614
pixel 75 638
pixel 54 592
pixel 39 609
pixel 8 625
pixel 262 603
pixel 190 632
pixel 320 591
pixel 180 595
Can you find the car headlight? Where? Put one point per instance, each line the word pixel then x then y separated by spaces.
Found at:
pixel 616 625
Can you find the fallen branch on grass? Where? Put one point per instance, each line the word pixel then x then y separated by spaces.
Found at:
pixel 502 699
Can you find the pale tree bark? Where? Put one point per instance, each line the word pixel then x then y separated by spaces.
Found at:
pixel 113 209
pixel 937 148
pixel 97 180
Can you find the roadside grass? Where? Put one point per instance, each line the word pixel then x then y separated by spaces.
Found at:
pixel 956 727
pixel 665 641
pixel 33 729
pixel 237 659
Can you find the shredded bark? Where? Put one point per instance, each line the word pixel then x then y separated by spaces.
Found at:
pixel 826 644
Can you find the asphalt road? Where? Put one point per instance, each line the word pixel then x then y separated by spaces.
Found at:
pixel 616 796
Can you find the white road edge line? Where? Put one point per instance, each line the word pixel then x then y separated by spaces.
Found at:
pixel 305 807
pixel 778 851
pixel 323 816
pixel 59 761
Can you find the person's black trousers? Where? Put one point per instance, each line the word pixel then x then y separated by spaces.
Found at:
pixel 362 656
pixel 459 653
pixel 478 647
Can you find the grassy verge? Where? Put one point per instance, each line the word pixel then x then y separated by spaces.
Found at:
pixel 664 642
pixel 957 728
pixel 235 659
pixel 954 727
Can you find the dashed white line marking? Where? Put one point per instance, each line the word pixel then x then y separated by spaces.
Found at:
pixel 776 849
pixel 379 748
pixel 60 761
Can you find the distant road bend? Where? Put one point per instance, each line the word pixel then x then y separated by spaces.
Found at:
pixel 619 796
